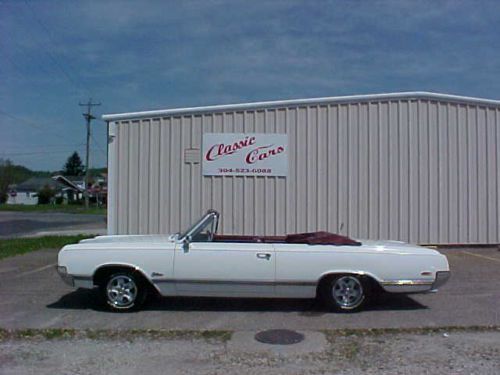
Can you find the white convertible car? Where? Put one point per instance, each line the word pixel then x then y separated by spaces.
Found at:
pixel 198 262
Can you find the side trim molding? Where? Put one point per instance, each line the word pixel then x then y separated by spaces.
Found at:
pixel 236 282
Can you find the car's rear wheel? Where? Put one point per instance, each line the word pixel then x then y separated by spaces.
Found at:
pixel 123 291
pixel 345 293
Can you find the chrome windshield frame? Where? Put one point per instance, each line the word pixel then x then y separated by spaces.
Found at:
pixel 211 216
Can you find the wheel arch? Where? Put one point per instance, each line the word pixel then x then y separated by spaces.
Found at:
pixel 106 269
pixel 374 281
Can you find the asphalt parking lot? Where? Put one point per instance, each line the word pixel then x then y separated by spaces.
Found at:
pixel 33 296
pixel 17 224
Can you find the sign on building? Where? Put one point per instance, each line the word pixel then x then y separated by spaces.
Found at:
pixel 240 154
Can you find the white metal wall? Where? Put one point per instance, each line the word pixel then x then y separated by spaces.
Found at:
pixel 417 170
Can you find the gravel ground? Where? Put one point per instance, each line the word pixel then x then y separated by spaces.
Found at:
pixel 453 353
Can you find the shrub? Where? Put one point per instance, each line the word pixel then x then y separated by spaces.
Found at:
pixel 45 195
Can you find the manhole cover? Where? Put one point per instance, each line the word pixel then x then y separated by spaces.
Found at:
pixel 279 337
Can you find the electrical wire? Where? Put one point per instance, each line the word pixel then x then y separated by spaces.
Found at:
pixel 4 154
pixel 36 153
pixel 77 85
pixel 98 145
pixel 14 49
pixel 15 67
pixel 33 125
pixel 48 146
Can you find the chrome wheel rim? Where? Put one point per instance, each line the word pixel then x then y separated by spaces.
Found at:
pixel 347 292
pixel 121 291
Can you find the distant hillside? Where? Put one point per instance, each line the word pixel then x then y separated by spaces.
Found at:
pixel 14 174
pixel 98 171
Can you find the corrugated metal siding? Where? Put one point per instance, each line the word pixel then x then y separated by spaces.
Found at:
pixel 422 171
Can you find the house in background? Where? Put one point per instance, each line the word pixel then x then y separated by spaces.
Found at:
pixel 73 186
pixel 27 192
pixel 66 188
pixel 99 189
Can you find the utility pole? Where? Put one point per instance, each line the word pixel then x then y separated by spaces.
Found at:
pixel 88 117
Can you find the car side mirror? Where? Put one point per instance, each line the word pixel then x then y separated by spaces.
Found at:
pixel 185 243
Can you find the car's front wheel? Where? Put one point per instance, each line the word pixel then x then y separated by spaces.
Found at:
pixel 345 293
pixel 123 291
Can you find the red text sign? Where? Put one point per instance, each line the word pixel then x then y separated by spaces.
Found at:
pixel 240 154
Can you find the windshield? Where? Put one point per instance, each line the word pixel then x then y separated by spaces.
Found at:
pixel 204 229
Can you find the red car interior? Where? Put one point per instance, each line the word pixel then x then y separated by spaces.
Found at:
pixel 312 238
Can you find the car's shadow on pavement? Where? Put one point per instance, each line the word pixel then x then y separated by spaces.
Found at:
pixel 84 299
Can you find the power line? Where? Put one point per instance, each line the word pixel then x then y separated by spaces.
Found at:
pixel 45 147
pixel 98 145
pixel 29 123
pixel 35 153
pixel 45 150
pixel 14 65
pixel 45 48
pixel 26 56
pixel 33 125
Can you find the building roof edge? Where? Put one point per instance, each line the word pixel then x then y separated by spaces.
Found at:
pixel 298 102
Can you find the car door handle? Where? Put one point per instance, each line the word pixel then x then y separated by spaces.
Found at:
pixel 263 255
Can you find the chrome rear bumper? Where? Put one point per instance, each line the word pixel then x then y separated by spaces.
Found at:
pixel 441 279
pixel 416 286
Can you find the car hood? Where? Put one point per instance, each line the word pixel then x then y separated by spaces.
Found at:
pixel 130 239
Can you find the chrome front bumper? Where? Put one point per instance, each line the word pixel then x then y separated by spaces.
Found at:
pixel 63 273
pixel 74 281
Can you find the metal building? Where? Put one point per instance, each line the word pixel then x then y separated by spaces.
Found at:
pixel 418 167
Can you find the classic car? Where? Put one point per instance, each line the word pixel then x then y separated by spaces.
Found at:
pixel 341 271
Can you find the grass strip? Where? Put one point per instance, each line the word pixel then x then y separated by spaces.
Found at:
pixel 17 246
pixel 331 334
pixel 66 208
pixel 215 335
pixel 104 334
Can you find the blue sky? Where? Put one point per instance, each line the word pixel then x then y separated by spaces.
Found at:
pixel 143 55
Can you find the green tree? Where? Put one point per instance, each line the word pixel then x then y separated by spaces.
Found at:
pixel 73 166
pixel 45 195
pixel 6 178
